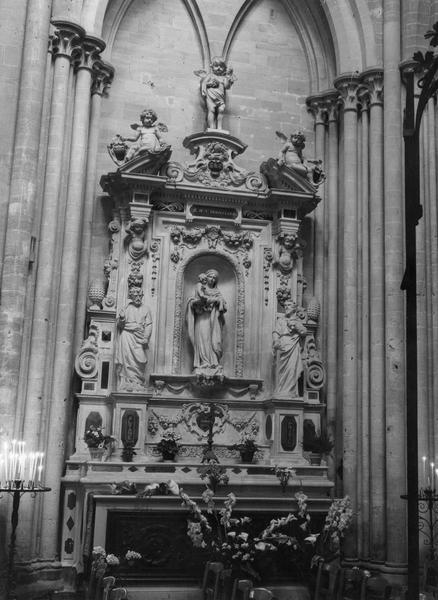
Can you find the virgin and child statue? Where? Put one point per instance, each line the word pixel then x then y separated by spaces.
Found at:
pixel 287 338
pixel 205 321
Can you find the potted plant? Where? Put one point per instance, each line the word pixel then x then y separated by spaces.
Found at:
pixel 318 445
pixel 247 448
pixel 96 441
pixel 168 445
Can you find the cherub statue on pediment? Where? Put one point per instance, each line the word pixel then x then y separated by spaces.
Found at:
pixel 147 141
pixel 291 156
pixel 213 90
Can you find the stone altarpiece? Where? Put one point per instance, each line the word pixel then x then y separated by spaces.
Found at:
pixel 203 234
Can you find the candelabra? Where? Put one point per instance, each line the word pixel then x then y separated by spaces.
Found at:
pixel 16 489
pixel 20 473
pixel 427 500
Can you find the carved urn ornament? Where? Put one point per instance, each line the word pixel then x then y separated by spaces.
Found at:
pixel 96 293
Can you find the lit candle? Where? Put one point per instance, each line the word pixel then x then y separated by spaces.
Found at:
pixel 424 470
pixel 5 458
pixel 432 473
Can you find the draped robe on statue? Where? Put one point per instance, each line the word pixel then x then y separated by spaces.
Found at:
pixel 205 321
pixel 287 338
pixel 131 357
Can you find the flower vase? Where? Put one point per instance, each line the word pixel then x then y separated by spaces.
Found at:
pixel 247 456
pixel 168 456
pixel 96 453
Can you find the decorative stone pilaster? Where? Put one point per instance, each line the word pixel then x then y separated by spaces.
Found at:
pixel 348 87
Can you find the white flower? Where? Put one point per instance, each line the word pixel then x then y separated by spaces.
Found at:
pixel 243 535
pixel 312 538
pixel 132 555
pixel 99 551
pixel 112 560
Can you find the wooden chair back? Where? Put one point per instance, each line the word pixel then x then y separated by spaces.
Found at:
pixel 351 584
pixel 377 588
pixel 260 593
pixel 241 589
pixel 119 594
pixel 107 585
pixel 211 580
pixel 326 581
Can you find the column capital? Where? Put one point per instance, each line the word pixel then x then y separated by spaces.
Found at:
pixel 103 74
pixel 373 80
pixel 363 95
pixel 90 50
pixel 316 106
pixel 347 85
pixel 324 106
pixel 66 38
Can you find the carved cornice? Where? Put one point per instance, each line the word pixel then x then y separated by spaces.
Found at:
pixel 103 74
pixel 373 80
pixel 348 85
pixel 66 39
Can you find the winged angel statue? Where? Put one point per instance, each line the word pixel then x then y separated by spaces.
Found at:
pixel 148 139
pixel 291 156
pixel 213 90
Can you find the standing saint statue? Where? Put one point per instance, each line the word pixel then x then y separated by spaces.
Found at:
pixel 213 90
pixel 205 320
pixel 134 323
pixel 287 344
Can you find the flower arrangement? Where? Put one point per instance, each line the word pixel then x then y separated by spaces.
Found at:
pixel 215 473
pixel 288 539
pixel 131 556
pixel 284 473
pixel 94 437
pixel 337 522
pixel 225 538
pixel 246 444
pixel 103 563
pixel 168 444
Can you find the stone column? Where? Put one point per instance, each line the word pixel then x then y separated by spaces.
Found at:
pixel 330 355
pixel 103 75
pixel 65 43
pixel 347 86
pixel 317 107
pixel 395 389
pixel 363 234
pixel 430 219
pixel 62 368
pixel 373 79
pixel 21 208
